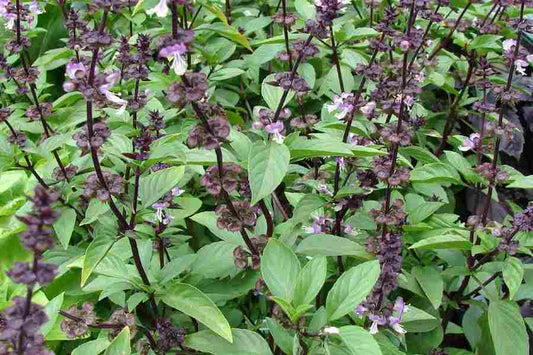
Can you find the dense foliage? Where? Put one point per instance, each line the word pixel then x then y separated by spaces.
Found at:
pixel 266 177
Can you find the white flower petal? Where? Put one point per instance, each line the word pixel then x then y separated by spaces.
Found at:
pixel 179 65
pixel 398 328
pixel 161 9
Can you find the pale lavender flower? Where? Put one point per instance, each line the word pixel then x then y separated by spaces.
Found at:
pixel 111 80
pixel 508 45
pixel 392 321
pixel 368 109
pixel 520 66
pixel 161 9
pixel 160 214
pixel 76 70
pixel 174 52
pixel 470 143
pixel 277 129
pixel 324 189
pixel 342 104
pixel 177 191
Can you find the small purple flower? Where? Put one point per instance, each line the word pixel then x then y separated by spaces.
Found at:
pixel 471 143
pixel 177 191
pixel 160 214
pixel 342 104
pixel 361 310
pixel 394 321
pixel 111 80
pixel 277 129
pixel 520 66
pixel 76 70
pixel 323 188
pixel 175 52
pixel 368 109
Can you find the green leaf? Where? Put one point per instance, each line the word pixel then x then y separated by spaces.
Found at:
pixel 92 347
pixel 194 303
pixel 104 238
pixel 64 226
pixel 280 268
pixel 431 283
pixel 416 320
pixel 359 341
pixel 307 10
pixel 507 328
pixel 308 204
pixel 226 73
pixel 330 245
pixel 513 273
pixel 435 172
pixel 460 164
pixel 443 242
pixel 209 220
pixel 121 344
pixel 272 94
pixel 310 148
pixel 351 288
pixel 215 260
pixel 51 309
pixel 525 182
pixel 227 31
pixel 485 42
pixel 155 185
pixel 310 281
pixel 94 211
pixel 176 267
pixel 282 337
pixel 267 166
pixel 245 342
pixel 423 211
pixel 419 154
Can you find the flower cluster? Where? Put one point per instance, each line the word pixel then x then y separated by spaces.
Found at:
pixel 99 137
pixel 210 135
pixel 266 121
pixel 38 234
pixel 236 217
pixel 193 88
pixel 23 321
pixel 241 255
pixel 169 336
pixel 122 318
pixel 77 328
pixel 229 182
pixel 114 185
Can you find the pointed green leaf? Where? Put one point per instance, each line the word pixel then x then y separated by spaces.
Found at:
pixel 310 281
pixel 331 245
pixel 245 342
pixel 359 341
pixel 351 289
pixel 51 309
pixel 443 242
pixel 155 185
pixel 64 226
pixel 513 273
pixel 431 282
pixel 121 344
pixel 280 268
pixel 267 165
pixel 194 303
pixel 507 328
